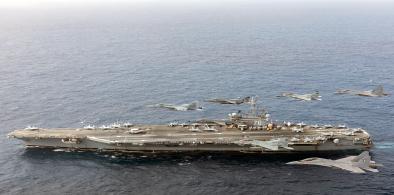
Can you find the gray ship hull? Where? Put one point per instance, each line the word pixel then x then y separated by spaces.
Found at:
pixel 162 138
pixel 94 146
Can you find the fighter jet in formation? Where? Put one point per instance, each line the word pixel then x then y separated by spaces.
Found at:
pixel 377 92
pixel 230 101
pixel 354 164
pixel 183 107
pixel 303 97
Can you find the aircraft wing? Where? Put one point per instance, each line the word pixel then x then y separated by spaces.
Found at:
pixel 228 102
pixel 342 91
pixel 328 163
pixel 183 107
pixel 247 99
pixel 171 106
pixel 346 159
pixel 347 91
pixel 224 101
pixel 365 93
pixel 313 161
pixel 168 106
pixel 348 167
pixel 302 97
pixel 234 101
pixel 221 101
pixel 305 97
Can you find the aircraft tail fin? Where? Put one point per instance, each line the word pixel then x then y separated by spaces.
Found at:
pixel 378 90
pixel 363 156
pixel 193 106
pixel 363 161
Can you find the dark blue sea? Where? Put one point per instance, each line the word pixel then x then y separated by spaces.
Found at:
pixel 66 65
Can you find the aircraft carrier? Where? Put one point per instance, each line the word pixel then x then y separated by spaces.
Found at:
pixel 249 133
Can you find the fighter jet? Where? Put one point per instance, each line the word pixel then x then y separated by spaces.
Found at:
pixel 377 92
pixel 303 97
pixel 354 164
pixel 230 101
pixel 182 107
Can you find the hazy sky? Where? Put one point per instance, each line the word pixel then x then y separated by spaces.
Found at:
pixel 43 3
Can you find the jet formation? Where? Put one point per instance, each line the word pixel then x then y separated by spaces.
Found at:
pixel 377 92
pixel 354 164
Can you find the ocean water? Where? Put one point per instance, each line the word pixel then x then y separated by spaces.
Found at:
pixel 65 66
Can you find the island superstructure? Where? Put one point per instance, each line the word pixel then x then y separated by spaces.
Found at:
pixel 249 132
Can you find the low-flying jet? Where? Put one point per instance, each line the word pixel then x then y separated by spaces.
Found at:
pixel 182 107
pixel 377 92
pixel 230 101
pixel 303 97
pixel 354 164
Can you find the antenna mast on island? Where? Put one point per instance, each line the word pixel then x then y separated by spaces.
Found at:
pixel 253 105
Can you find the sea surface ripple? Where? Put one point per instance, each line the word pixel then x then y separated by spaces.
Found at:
pixel 59 68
